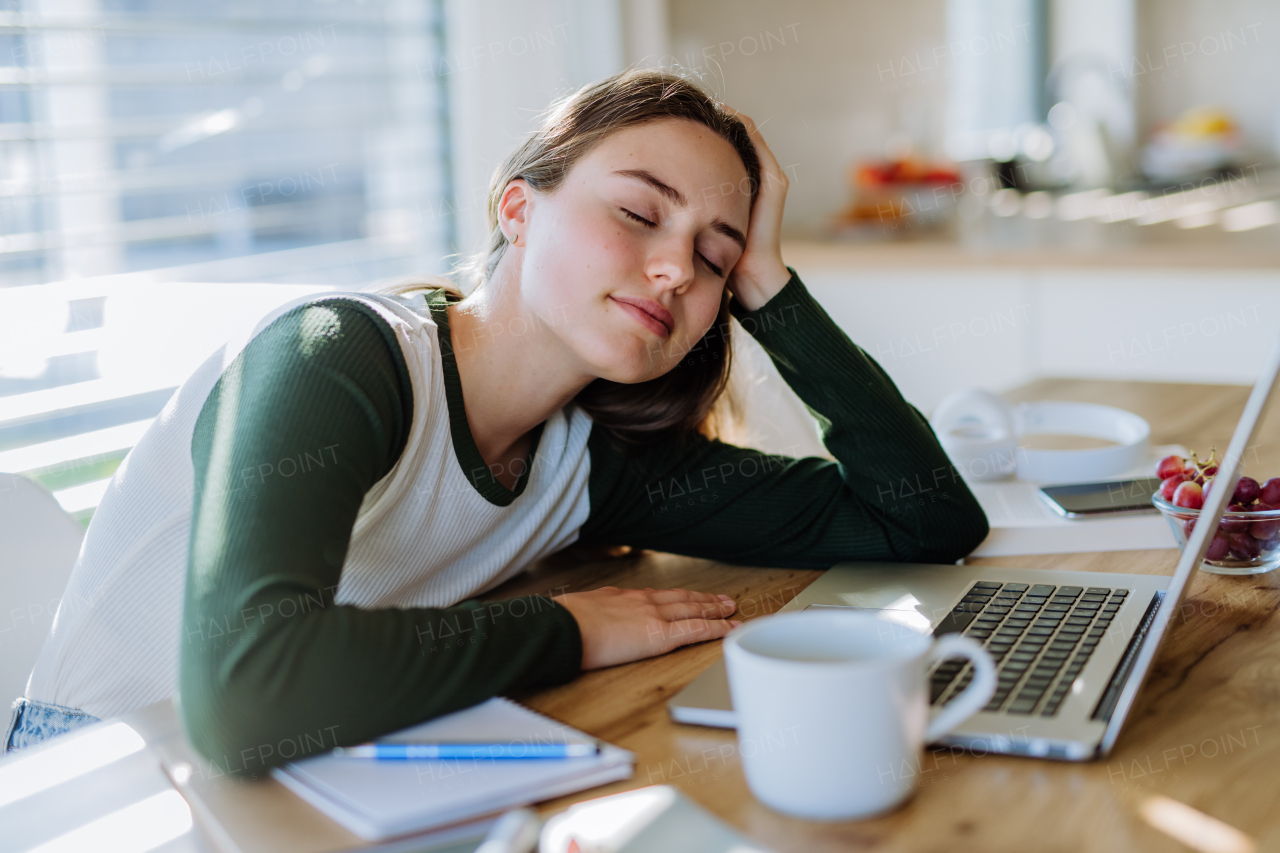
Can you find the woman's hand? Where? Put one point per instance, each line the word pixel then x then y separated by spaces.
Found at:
pixel 760 273
pixel 622 625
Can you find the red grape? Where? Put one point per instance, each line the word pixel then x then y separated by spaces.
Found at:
pixel 1211 471
pixel 1169 466
pixel 1188 495
pixel 1270 492
pixel 1170 483
pixel 1234 525
pixel 1263 529
pixel 1246 491
pixel 1244 546
pixel 1218 547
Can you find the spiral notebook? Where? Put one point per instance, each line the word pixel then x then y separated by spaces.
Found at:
pixel 382 799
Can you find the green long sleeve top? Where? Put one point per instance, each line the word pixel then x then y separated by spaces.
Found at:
pixel 337 674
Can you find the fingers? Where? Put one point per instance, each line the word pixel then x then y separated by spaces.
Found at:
pixel 753 131
pixel 666 596
pixel 662 596
pixel 695 610
pixel 623 625
pixel 742 117
pixel 771 171
pixel 683 632
pixel 757 136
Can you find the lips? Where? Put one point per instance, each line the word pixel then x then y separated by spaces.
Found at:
pixel 648 313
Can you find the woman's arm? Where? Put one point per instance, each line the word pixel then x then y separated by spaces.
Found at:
pixel 891 494
pixel 271 668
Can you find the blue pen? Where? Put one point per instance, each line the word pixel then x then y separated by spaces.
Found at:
pixel 517 750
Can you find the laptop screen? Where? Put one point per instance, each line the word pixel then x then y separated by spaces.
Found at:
pixel 1198 544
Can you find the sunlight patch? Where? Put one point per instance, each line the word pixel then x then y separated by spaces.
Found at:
pixel 319 326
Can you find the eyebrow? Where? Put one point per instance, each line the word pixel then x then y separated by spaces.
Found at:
pixel 675 196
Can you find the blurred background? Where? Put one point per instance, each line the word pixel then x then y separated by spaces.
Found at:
pixel 983 192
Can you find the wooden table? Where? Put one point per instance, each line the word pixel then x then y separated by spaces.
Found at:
pixel 1205 730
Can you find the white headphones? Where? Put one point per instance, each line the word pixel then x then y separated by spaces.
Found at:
pixel 981 433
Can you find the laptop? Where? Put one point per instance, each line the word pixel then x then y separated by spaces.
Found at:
pixel 1072 648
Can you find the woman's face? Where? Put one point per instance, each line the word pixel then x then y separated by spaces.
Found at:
pixel 629 298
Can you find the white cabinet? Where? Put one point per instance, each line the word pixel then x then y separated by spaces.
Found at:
pixel 1197 325
pixel 935 330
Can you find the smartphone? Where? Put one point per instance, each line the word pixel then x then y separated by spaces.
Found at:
pixel 1087 500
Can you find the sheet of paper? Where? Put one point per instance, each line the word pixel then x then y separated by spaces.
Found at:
pixel 1015 503
pixel 1023 523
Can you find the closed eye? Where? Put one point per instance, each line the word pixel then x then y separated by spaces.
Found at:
pixel 639 218
pixel 715 269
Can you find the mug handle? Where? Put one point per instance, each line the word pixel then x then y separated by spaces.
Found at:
pixel 974 697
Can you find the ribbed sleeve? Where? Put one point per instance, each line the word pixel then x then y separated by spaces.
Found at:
pixel 891 494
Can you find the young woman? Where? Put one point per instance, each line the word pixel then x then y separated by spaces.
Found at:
pixel 293 545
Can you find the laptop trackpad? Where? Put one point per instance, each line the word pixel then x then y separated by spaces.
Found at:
pixel 911 618
pixel 706 701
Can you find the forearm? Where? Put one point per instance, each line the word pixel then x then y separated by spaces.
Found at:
pixel 889 458
pixel 285 669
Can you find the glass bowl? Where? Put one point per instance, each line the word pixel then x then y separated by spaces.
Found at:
pixel 1245 553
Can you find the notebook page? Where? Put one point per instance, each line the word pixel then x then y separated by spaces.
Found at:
pixel 377 799
pixel 498 719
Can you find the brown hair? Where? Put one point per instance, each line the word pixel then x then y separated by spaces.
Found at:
pixel 683 400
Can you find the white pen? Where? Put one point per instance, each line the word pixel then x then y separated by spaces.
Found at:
pixel 515 832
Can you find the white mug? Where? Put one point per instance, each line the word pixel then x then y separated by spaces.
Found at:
pixel 832 705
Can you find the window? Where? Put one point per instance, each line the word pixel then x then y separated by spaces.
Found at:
pixel 261 150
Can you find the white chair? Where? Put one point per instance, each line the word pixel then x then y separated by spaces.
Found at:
pixel 39 543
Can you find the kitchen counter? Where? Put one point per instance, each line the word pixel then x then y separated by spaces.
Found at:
pixel 1022 300
pixel 1178 230
pixel 943 253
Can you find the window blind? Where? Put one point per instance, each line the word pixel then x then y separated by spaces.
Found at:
pixel 137 134
pixel 261 150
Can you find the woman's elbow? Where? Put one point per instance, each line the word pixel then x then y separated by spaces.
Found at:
pixel 231 719
pixel 952 534
pixel 972 528
pixel 217 725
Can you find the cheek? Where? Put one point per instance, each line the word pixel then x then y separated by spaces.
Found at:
pixel 589 237
pixel 581 256
pixel 699 316
pixel 706 310
pixel 556 281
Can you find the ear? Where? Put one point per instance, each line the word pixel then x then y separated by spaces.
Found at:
pixel 514 207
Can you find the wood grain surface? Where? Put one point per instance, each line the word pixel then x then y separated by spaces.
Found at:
pixel 1205 730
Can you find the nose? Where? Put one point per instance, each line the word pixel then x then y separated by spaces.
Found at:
pixel 670 264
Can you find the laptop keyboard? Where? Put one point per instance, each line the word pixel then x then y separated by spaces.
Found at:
pixel 1039 635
